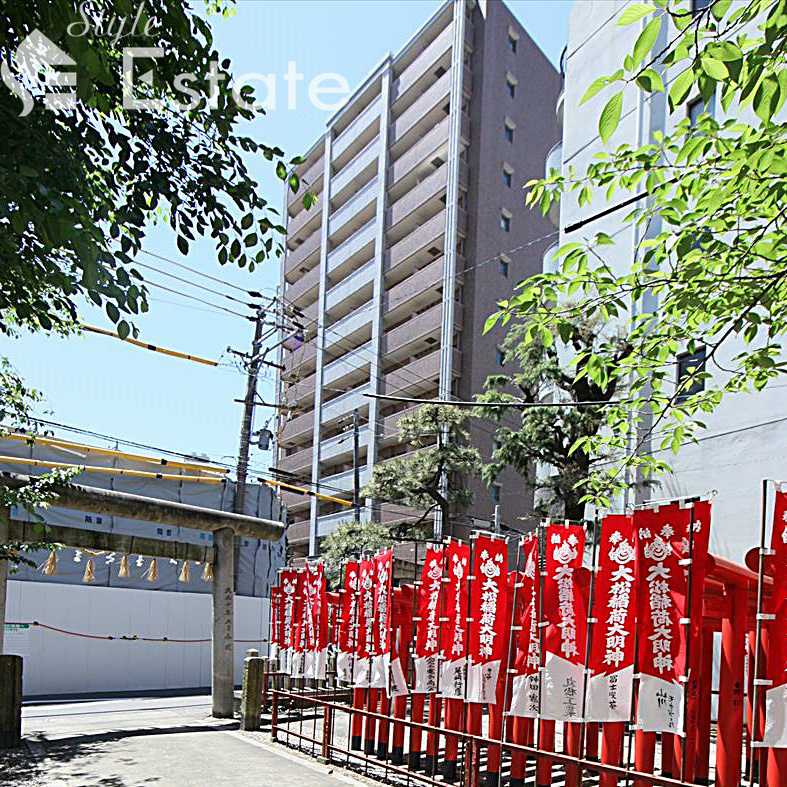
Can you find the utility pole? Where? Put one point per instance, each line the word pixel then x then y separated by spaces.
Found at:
pixel 248 414
pixel 356 466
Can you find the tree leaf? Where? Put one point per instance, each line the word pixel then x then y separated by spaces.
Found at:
pixel 183 245
pixel 635 12
pixel 610 117
pixel 680 87
pixel 714 68
pixel 645 40
pixel 599 84
pixel 651 81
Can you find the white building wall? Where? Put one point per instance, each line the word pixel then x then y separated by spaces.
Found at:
pixel 746 437
pixel 59 663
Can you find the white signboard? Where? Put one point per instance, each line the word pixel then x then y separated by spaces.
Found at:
pixel 17 639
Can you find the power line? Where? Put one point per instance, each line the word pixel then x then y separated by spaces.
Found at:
pixel 200 300
pixel 194 284
pixel 515 403
pixel 252 293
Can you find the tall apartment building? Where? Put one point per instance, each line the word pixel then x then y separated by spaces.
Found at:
pixel 395 269
pixel 745 437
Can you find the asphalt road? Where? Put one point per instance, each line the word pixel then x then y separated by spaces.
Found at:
pixel 171 742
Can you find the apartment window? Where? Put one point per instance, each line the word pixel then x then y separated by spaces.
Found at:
pixel 699 5
pixel 502 266
pixel 508 130
pixel 508 174
pixel 697 107
pixel 512 40
pixel 496 492
pixel 688 365
pixel 505 221
pixel 511 85
pixel 496 445
pixel 500 357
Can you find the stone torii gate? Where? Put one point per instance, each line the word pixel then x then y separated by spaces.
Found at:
pixel 224 526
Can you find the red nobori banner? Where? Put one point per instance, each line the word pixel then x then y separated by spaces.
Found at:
pixel 289 616
pixel 275 633
pixel 381 655
pixel 317 620
pixel 365 647
pixel 613 646
pixel 525 684
pixel 490 618
pixel 775 733
pixel 565 613
pixel 348 621
pixel 427 639
pixel 453 644
pixel 672 549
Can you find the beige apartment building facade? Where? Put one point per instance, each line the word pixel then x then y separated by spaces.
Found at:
pixel 418 229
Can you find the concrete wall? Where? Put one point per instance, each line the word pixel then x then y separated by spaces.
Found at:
pixel 64 664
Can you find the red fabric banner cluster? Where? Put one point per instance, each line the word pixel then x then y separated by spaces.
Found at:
pixel 348 622
pixel 612 650
pixel 365 647
pixel 453 641
pixel 381 653
pixel 565 613
pixel 672 540
pixel 775 733
pixel 527 662
pixel 275 617
pixel 490 621
pixel 428 618
pixel 290 613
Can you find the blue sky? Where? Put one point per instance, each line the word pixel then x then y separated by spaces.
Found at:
pixel 103 385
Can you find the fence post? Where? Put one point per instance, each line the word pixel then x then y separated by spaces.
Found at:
pixel 327 733
pixel 251 698
pixel 10 701
pixel 274 713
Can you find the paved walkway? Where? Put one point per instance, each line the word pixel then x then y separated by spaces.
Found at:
pixel 139 742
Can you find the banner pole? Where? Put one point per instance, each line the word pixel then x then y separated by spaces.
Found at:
pixel 588 635
pixel 470 746
pixel 687 663
pixel 758 636
pixel 546 728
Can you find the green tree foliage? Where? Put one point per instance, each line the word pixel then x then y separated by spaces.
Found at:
pixel 79 189
pixel 711 263
pixel 435 476
pixel 350 540
pixel 544 439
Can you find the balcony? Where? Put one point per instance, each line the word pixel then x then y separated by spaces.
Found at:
pixel 345 403
pixel 328 523
pixel 423 65
pixel 298 532
pixel 344 481
pixel 341 446
pixel 427 147
pixel 300 462
pixel 312 180
pixel 300 362
pixel 549 264
pixel 305 256
pixel 305 222
pixel 388 427
pixel 296 430
pixel 353 290
pixel 354 247
pixel 355 362
pixel 417 376
pixel 355 172
pixel 354 213
pixel 554 162
pixel 356 128
pixel 419 329
pixel 355 326
pixel 303 291
pixel 428 235
pixel 415 291
pixel 434 96
pixel 412 204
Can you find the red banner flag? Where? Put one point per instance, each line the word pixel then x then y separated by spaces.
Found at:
pixel 775 733
pixel 316 622
pixel 453 644
pixel 428 622
pixel 565 613
pixel 490 619
pixel 347 644
pixel 304 626
pixel 365 647
pixel 672 541
pixel 289 616
pixel 381 655
pixel 612 649
pixel 525 685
